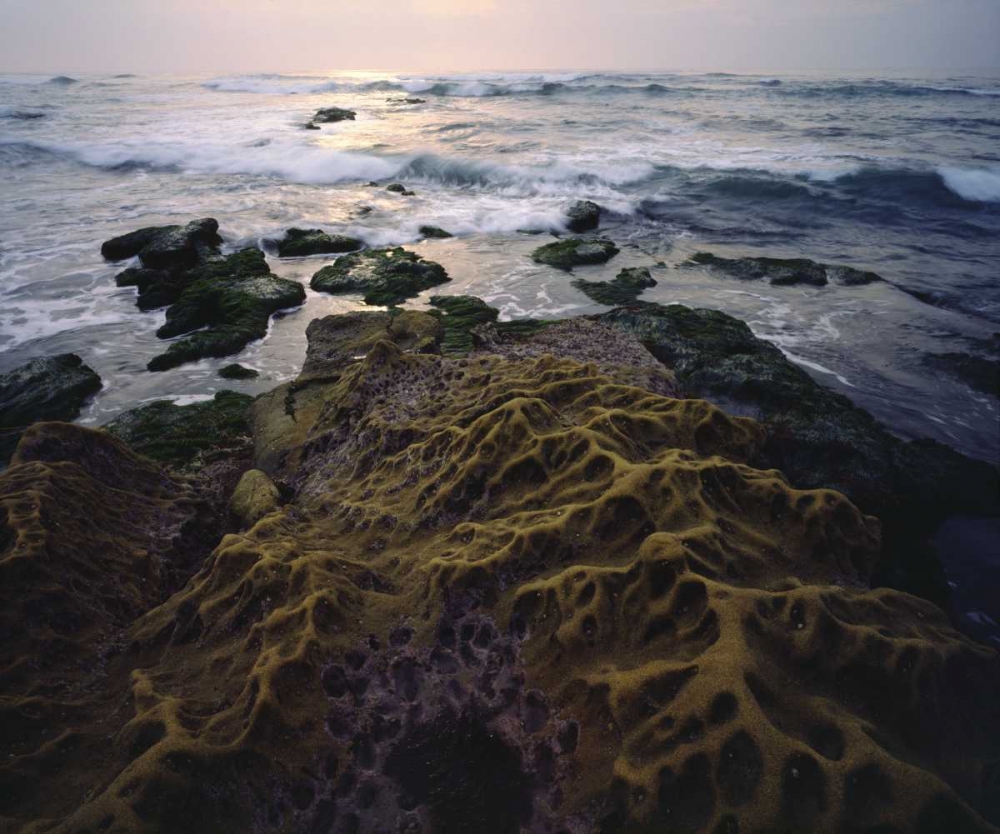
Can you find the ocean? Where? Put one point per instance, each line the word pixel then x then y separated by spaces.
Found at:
pixel 896 174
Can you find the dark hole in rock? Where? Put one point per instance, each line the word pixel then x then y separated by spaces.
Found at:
pixel 468 778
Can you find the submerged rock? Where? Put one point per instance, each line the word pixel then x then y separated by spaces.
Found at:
pixel 51 388
pixel 237 371
pixel 225 305
pixel 977 372
pixel 785 271
pixel 331 115
pixel 187 437
pixel 566 254
pixel 384 277
pixel 301 242
pixel 399 188
pixel 583 216
pixel 627 286
pixel 166 247
pixel 434 232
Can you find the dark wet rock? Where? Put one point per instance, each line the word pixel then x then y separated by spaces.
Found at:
pixel 627 286
pixel 434 232
pixel 819 438
pixel 52 388
pixel 399 188
pixel 384 277
pixel 977 372
pixel 166 247
pixel 157 287
pixel 226 305
pixel 407 100
pixel 784 271
pixel 301 242
pixel 188 437
pixel 237 371
pixel 331 115
pixel 583 216
pixel 311 126
pixel 572 252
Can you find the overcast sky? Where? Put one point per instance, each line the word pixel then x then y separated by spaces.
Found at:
pixel 195 36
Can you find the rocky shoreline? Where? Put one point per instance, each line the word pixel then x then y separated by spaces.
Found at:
pixel 628 572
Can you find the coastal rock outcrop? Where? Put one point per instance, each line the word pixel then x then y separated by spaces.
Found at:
pixel 50 388
pixel 785 271
pixel 332 115
pixel 626 287
pixel 225 304
pixel 434 233
pixel 298 243
pixel 571 252
pixel 384 277
pixel 238 372
pixel 166 247
pixel 515 592
pixel 583 216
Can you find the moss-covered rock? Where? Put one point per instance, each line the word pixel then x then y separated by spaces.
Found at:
pixel 254 497
pixel 237 371
pixel 331 115
pixel 566 254
pixel 820 438
pixel 627 286
pixel 460 315
pixel 583 216
pixel 225 305
pixel 784 271
pixel 188 437
pixel 384 277
pixel 301 242
pixel 166 247
pixel 50 388
pixel 434 233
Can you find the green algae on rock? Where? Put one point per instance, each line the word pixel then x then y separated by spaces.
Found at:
pixel 233 299
pixel 298 243
pixel 627 286
pixel 571 252
pixel 237 371
pixel 785 271
pixel 460 315
pixel 384 277
pixel 253 498
pixel 50 388
pixel 166 247
pixel 519 590
pixel 188 437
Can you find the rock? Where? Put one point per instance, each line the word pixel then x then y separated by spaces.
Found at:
pixel 301 242
pixel 784 272
pixel 166 247
pixel 51 388
pixel 237 371
pixel 978 372
pixel 820 438
pixel 460 315
pixel 571 252
pixel 434 232
pixel 188 437
pixel 541 578
pixel 625 288
pixel 583 216
pixel 407 101
pixel 399 188
pixel 331 115
pixel 255 496
pixel 225 305
pixel 384 277
pixel 311 126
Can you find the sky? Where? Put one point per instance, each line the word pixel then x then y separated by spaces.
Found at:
pixel 213 36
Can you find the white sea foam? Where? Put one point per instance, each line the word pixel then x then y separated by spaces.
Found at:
pixel 979 184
